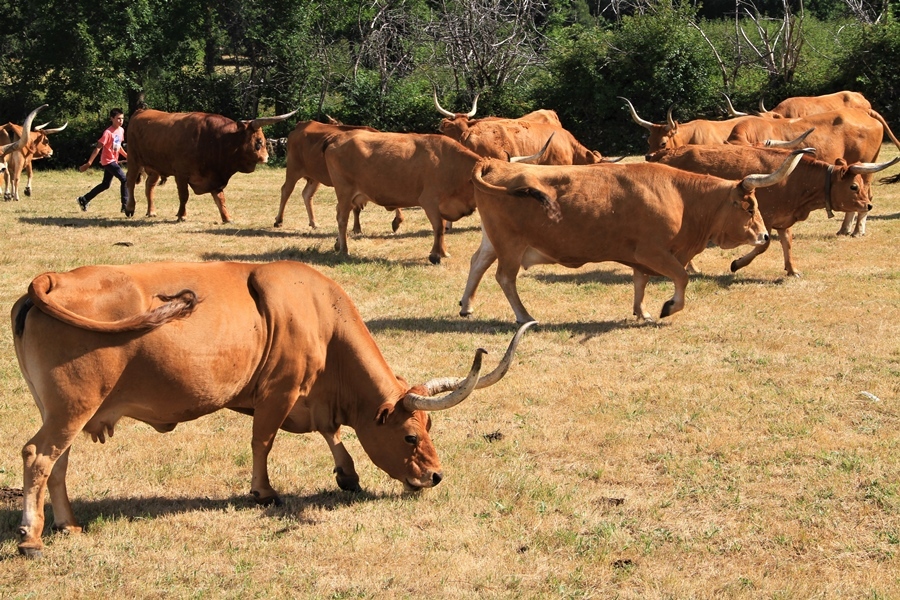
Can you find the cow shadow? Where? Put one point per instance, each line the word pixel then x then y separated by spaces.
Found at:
pixel 270 233
pixel 470 325
pixel 311 256
pixel 132 509
pixel 605 276
pixel 891 217
pixel 84 222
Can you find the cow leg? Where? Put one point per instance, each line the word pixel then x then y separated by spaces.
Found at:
pixel 267 419
pixel 507 271
pixel 40 457
pixel 182 186
pixel 740 263
pixel 640 280
pixel 219 198
pixel 692 269
pixel 398 219
pixel 846 224
pixel 357 228
pixel 6 183
pixel 438 248
pixel 483 258
pixel 150 192
pixel 667 265
pixel 30 172
pixel 343 216
pixel 860 229
pixel 345 471
pixel 131 179
pixel 309 191
pixel 786 237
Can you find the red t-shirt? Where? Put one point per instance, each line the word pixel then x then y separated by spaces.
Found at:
pixel 110 143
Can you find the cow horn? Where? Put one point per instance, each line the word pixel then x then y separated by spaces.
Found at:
pixel 731 110
pixel 762 107
pixel 55 129
pixel 465 387
pixel 671 125
pixel 863 168
pixel 795 143
pixel 750 182
pixel 437 386
pixel 534 156
pixel 265 121
pixel 26 132
pixel 39 127
pixel 441 109
pixel 634 115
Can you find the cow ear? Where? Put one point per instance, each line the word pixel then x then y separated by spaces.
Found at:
pixel 384 413
pixel 840 162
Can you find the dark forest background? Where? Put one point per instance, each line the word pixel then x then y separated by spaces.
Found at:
pixel 375 62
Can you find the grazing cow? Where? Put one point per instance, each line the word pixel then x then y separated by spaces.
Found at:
pixel 165 343
pixel 306 159
pixel 803 106
pixel 36 146
pixel 455 125
pixel 674 135
pixel 814 184
pixel 852 134
pixel 400 170
pixel 653 218
pixel 494 137
pixel 201 150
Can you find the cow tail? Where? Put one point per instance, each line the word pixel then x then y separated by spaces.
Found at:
pixel 550 205
pixel 176 306
pixel 887 128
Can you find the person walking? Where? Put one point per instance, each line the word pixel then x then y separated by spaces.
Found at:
pixel 109 147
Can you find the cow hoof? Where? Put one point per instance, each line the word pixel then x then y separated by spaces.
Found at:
pixel 734 266
pixel 27 191
pixel 667 309
pixel 269 501
pixel 395 225
pixel 277 224
pixel 842 232
pixel 129 213
pixel 857 235
pixel 348 483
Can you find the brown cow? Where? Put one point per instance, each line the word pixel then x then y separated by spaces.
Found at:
pixel 36 147
pixel 455 125
pixel 306 159
pixel 400 170
pixel 201 150
pixel 674 135
pixel 165 343
pixel 852 134
pixel 494 137
pixel 653 218
pixel 814 184
pixel 803 106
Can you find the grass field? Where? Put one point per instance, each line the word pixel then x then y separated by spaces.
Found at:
pixel 726 452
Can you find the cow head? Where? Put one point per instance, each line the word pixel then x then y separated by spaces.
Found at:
pixel 660 137
pixel 251 146
pixel 22 142
pixel 40 141
pixel 849 187
pixel 397 439
pixel 742 222
pixel 455 124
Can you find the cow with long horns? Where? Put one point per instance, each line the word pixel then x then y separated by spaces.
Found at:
pixel 165 343
pixel 28 146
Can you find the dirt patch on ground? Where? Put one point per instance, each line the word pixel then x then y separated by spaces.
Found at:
pixel 10 496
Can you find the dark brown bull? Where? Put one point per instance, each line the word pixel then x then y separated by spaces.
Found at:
pixel 165 343
pixel 813 185
pixel 652 218
pixel 200 150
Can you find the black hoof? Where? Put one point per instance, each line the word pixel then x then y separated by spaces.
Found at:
pixel 734 266
pixel 271 501
pixel 27 191
pixel 434 259
pixel 667 309
pixel 348 483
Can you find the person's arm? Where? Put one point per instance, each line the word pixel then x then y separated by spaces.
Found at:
pixel 94 154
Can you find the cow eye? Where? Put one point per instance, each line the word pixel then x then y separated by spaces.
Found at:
pixel 412 439
pixel 854 187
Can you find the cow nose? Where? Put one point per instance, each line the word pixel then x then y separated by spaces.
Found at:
pixel 869 207
pixel 436 478
pixel 765 237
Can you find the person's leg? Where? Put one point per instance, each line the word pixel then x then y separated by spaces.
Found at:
pixel 83 201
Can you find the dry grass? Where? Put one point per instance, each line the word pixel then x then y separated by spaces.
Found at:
pixel 726 452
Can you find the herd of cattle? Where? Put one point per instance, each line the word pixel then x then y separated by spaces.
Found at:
pixel 126 336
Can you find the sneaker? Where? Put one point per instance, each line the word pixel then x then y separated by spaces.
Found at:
pixel 82 203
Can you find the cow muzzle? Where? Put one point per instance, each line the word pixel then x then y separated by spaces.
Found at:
pixel 762 239
pixel 416 485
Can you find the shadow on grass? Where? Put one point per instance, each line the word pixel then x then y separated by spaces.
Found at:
pixel 890 217
pixel 493 326
pixel 133 509
pixel 88 221
pixel 312 256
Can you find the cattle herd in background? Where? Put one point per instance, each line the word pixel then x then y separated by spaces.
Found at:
pixel 543 198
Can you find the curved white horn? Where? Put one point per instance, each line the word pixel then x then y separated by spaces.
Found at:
pixel 440 109
pixel 536 155
pixel 731 110
pixel 466 386
pixel 634 115
pixel 264 121
pixel 670 122
pixel 794 143
pixel 863 168
pixel 498 373
pixel 472 112
pixel 26 132
pixel 750 182
pixel 762 107
pixel 55 129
